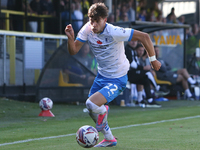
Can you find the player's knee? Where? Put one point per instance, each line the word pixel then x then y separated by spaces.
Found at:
pixel 88 104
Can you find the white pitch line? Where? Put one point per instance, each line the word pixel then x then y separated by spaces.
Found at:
pixel 134 125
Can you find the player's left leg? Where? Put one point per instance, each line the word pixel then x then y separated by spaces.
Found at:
pixel 111 89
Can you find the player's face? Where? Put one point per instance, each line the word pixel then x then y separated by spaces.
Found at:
pixel 97 25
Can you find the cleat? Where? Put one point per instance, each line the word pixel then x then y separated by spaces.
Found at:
pixel 140 104
pixel 107 143
pixel 102 120
pixel 161 93
pixel 190 98
pixel 153 104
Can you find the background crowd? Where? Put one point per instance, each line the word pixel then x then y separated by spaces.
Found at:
pixel 75 11
pixel 61 13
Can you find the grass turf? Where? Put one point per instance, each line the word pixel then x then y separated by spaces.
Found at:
pixel 19 121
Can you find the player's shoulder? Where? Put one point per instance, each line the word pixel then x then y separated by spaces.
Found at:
pixel 111 26
pixel 85 29
pixel 115 29
pixel 87 25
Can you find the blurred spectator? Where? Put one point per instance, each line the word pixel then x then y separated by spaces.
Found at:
pixel 137 74
pixel 171 17
pixel 78 15
pixel 188 33
pixel 141 4
pixel 195 29
pixel 47 7
pixel 65 18
pixel 171 13
pixel 159 18
pixel 181 20
pixel 156 10
pixel 36 9
pixel 59 6
pixel 143 60
pixel 123 11
pixel 124 17
pixel 180 76
pixel 151 16
pixel 85 5
pixel 17 20
pixel 142 14
pixel 85 58
pixel 131 10
pixel 111 18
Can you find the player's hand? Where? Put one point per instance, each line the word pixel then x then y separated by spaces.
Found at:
pixel 156 65
pixel 69 31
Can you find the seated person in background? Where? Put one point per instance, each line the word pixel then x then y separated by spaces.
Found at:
pixel 85 58
pixel 144 61
pixel 137 75
pixel 74 72
pixel 180 75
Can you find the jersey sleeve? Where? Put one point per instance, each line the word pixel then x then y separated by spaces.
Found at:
pixel 122 34
pixel 82 34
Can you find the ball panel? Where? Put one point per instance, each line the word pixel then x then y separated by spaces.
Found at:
pixel 46 103
pixel 87 136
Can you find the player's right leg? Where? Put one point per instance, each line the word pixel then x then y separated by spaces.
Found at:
pixel 102 112
pixel 109 139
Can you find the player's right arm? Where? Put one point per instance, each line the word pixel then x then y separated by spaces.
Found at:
pixel 73 46
pixel 148 45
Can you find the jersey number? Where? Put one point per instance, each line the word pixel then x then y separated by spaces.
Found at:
pixel 112 88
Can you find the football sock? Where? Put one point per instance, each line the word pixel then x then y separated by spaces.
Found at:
pixel 152 91
pixel 94 108
pixel 157 87
pixel 94 116
pixel 151 78
pixel 140 96
pixel 191 80
pixel 150 100
pixel 107 133
pixel 188 93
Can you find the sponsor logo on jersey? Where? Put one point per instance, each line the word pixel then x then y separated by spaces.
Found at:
pixel 123 30
pixel 99 42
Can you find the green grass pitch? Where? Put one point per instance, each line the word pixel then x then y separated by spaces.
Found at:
pixel 175 126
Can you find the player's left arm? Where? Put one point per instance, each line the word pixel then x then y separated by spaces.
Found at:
pixel 148 45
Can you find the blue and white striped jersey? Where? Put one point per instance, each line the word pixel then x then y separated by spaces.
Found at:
pixel 108 48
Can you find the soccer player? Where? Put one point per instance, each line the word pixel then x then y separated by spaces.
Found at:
pixel 107 43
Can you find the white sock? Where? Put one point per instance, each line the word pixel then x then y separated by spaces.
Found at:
pixel 150 100
pixel 107 133
pixel 152 91
pixel 157 87
pixel 150 76
pixel 94 108
pixel 143 94
pixel 191 80
pixel 188 93
pixel 140 96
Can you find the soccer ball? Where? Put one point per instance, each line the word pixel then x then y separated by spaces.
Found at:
pixel 87 136
pixel 46 103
